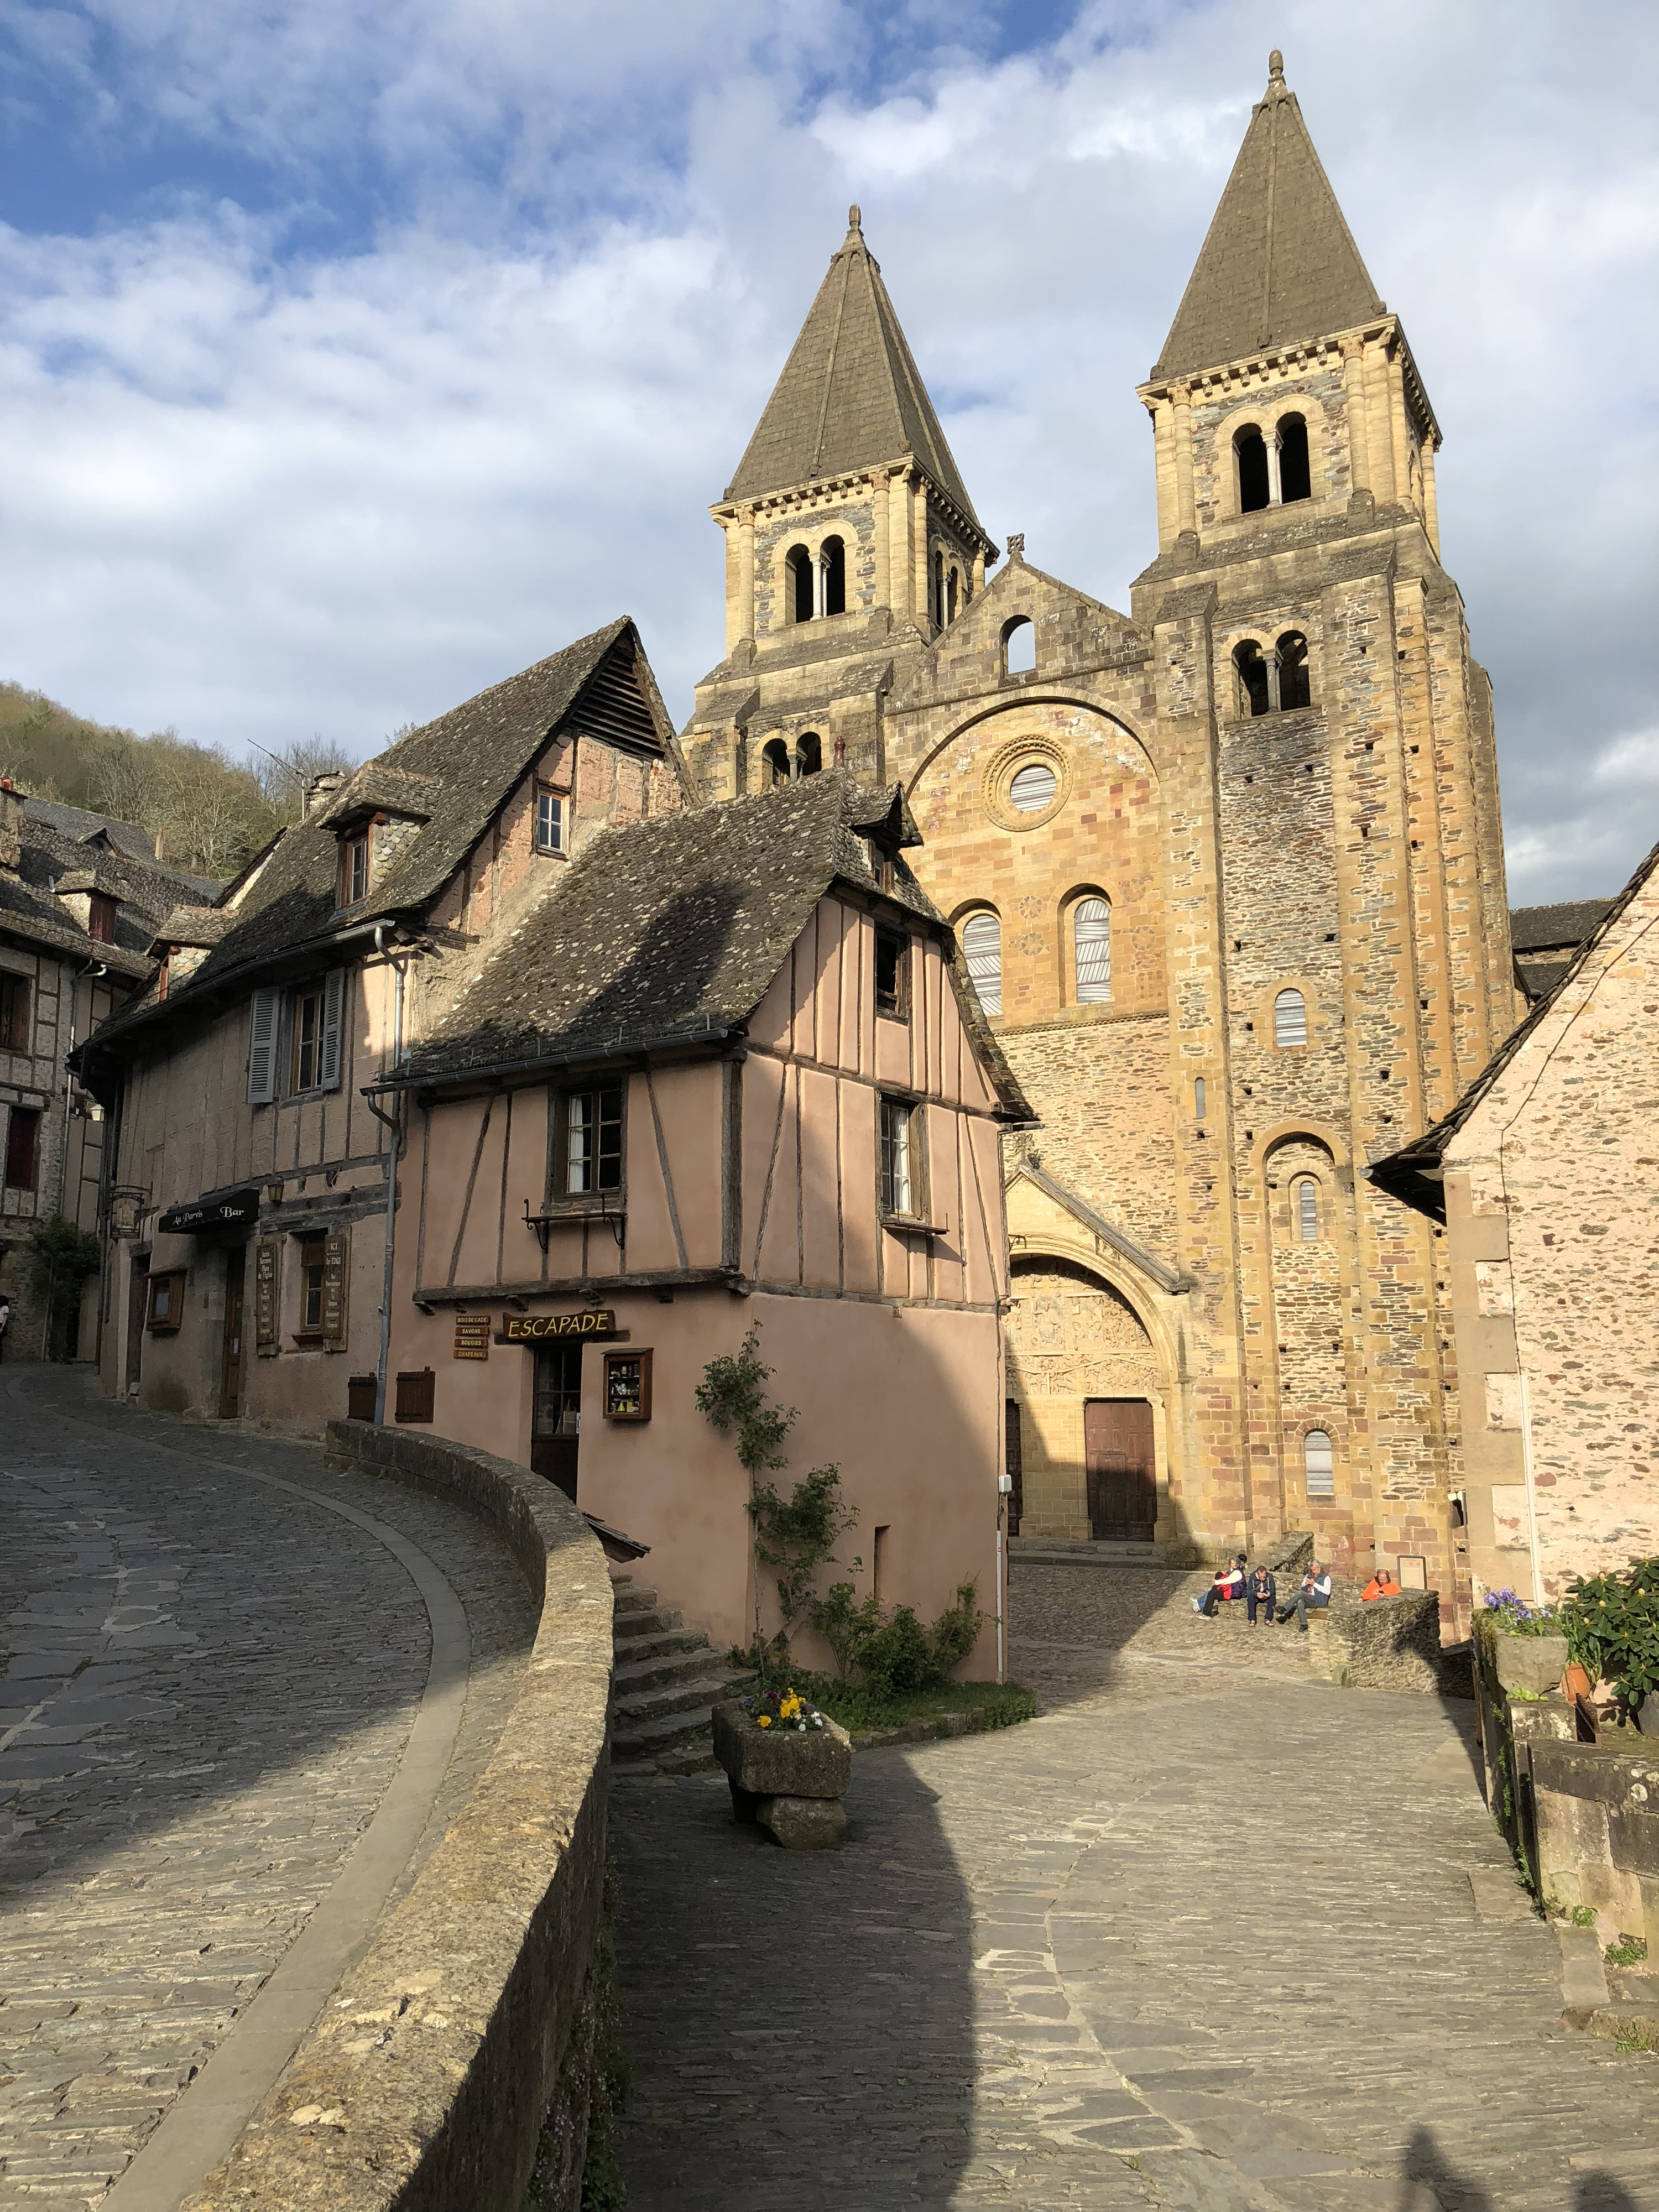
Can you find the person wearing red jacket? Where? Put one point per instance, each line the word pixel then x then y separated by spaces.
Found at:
pixel 1227 1589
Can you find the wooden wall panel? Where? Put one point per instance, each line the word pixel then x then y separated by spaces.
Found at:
pixel 762 1088
pixel 820 1193
pixel 858 1186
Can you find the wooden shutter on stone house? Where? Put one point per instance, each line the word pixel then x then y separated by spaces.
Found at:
pixel 268 1296
pixel 265 1021
pixel 328 1047
pixel 336 1279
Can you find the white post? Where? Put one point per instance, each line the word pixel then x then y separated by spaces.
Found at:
pixel 1275 490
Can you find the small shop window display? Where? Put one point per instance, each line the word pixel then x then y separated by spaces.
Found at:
pixel 627 1386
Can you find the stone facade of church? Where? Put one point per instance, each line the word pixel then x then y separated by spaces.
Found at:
pixel 1228 869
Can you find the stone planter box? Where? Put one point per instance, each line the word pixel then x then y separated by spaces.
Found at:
pixel 1529 1663
pixel 790 1781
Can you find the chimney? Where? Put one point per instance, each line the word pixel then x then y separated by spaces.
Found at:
pixel 11 826
pixel 319 792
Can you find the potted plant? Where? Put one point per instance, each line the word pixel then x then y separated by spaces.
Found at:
pixel 1525 1650
pixel 1612 1626
pixel 788 1766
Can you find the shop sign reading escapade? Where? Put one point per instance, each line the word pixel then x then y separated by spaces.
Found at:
pixel 537 1329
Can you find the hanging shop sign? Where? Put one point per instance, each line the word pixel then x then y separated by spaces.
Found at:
pixel 537 1329
pixel 240 1207
pixel 472 1336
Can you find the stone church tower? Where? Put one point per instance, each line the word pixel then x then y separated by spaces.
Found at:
pixel 1227 871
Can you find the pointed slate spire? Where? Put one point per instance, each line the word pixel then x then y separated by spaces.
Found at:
pixel 850 396
pixel 1278 264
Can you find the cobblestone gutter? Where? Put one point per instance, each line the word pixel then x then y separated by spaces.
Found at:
pixel 424 2081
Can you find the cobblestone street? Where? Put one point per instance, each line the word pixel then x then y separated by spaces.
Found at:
pixel 211 1675
pixel 1200 1937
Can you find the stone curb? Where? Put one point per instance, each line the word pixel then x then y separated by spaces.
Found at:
pixel 424 2081
pixel 938 1729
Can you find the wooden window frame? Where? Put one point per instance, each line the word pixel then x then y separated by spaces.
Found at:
pixel 308 994
pixel 893 1005
pixel 913 1212
pixel 592 1197
pixel 546 796
pixel 16 1012
pixel 640 1358
pixel 101 913
pixel 313 1260
pixel 19 1119
pixel 354 868
pixel 172 1280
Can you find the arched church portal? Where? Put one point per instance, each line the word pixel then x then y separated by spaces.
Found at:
pixel 1085 1376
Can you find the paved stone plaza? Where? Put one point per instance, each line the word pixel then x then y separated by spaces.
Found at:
pixel 211 1678
pixel 1201 1936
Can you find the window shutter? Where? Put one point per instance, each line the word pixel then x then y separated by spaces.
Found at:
pixel 328 1055
pixel 264 1022
pixel 337 1276
pixel 268 1296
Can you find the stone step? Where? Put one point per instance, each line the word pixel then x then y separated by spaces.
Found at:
pixel 647 1622
pixel 628 1677
pixel 637 1648
pixel 626 1601
pixel 651 1739
pixel 1068 1551
pixel 697 1694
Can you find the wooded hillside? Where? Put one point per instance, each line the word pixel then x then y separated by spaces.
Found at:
pixel 207 812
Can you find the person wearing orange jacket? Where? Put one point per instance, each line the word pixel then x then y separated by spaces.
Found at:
pixel 1381 1584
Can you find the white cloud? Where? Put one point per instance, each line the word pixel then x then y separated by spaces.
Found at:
pixel 265 491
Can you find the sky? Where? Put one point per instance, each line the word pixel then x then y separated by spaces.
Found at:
pixel 358 353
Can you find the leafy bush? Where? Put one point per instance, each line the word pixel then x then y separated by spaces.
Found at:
pixel 1611 1623
pixel 61 1257
pixel 891 1653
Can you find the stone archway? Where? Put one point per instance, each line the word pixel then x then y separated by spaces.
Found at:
pixel 1085 1372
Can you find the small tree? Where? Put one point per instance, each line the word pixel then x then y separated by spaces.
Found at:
pixel 797 1535
pixel 61 1257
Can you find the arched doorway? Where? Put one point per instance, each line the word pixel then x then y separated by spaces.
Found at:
pixel 1085 1374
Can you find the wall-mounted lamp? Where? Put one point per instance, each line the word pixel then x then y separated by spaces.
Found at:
pixel 274 1193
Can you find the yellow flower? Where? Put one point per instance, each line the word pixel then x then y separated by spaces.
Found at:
pixel 765 1720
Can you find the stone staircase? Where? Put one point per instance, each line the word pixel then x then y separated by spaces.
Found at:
pixel 666 1682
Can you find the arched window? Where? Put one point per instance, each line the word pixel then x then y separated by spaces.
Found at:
pixel 937 610
pixel 1091 951
pixel 1290 1019
pixel 1307 1210
pixel 809 753
pixel 832 574
pixel 1198 1098
pixel 1318 1464
pixel 775 758
pixel 1293 655
pixel 952 594
pixel 1294 479
pixel 1033 787
pixel 981 948
pixel 1253 697
pixel 1251 450
pixel 798 561
pixel 1018 646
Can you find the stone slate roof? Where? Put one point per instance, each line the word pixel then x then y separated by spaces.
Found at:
pixel 850 396
pixel 1411 1174
pixel 462 767
pixel 1278 263
pixel 143 891
pixel 1553 928
pixel 673 928
pixel 76 823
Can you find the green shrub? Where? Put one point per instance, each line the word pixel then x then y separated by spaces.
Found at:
pixel 1611 1623
pixel 891 1653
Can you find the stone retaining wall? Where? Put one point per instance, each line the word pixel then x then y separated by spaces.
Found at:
pixel 1388 1643
pixel 424 2083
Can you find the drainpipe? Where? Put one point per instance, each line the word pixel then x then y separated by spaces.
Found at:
pixel 393 1122
pixel 1532 1494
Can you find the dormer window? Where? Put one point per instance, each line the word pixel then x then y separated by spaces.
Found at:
pixel 549 821
pixel 101 918
pixel 354 866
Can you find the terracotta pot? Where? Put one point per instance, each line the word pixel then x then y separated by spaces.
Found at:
pixel 1576 1682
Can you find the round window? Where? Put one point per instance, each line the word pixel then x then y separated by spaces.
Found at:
pixel 1033 787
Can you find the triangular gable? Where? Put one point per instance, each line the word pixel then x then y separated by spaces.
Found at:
pixel 1067 1206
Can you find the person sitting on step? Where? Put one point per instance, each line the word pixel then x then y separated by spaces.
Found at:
pixel 1227 1589
pixel 1261 1595
pixel 1314 1596
pixel 1381 1584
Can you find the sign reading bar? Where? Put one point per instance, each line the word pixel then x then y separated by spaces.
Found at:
pixel 216 1213
pixel 472 1336
pixel 532 1328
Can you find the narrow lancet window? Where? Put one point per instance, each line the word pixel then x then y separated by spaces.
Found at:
pixel 1253 694
pixel 798 563
pixel 981 948
pixel 1318 1464
pixel 832 577
pixel 1251 450
pixel 1290 1019
pixel 1295 481
pixel 1307 1210
pixel 1091 945
pixel 1291 653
